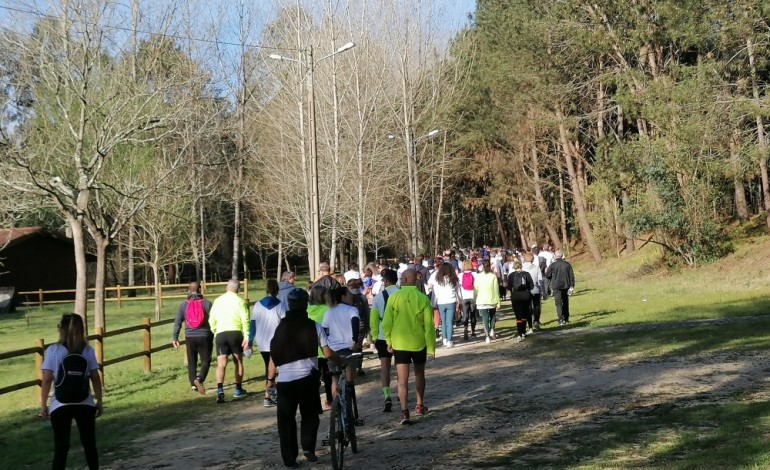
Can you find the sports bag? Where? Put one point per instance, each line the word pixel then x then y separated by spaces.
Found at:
pixel 519 281
pixel 194 315
pixel 71 384
pixel 467 281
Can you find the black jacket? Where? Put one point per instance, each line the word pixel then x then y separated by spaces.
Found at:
pixel 514 279
pixel 561 275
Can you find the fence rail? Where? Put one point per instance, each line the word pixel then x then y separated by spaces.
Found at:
pixel 98 344
pixel 119 295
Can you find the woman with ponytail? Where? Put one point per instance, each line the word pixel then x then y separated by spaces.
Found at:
pixel 69 364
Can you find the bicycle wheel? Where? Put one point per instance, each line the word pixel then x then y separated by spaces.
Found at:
pixel 336 435
pixel 350 423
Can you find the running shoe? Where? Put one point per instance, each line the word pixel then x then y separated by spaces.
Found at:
pixel 530 331
pixel 420 410
pixel 310 456
pixel 488 340
pixel 327 406
pixel 388 405
pixel 269 403
pixel 450 344
pixel 198 386
pixel 239 393
pixel 193 388
pixel 492 333
pixel 220 395
pixel 536 326
pixel 405 417
pixel 519 338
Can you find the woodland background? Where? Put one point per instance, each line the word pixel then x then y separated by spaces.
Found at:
pixel 167 142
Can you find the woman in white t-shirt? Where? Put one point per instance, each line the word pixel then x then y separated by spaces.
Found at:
pixel 467 281
pixel 342 324
pixel 445 286
pixel 72 398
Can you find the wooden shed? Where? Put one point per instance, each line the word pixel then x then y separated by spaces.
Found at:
pixel 33 258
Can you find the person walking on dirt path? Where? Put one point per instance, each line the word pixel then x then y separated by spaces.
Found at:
pixel 487 296
pixel 390 280
pixel 264 320
pixel 408 330
pixel 199 339
pixel 68 366
pixel 285 286
pixel 294 353
pixel 520 284
pixel 316 311
pixel 325 278
pixel 229 321
pixel 529 265
pixel 562 283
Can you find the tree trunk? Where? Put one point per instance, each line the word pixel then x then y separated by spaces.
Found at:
pixel 500 228
pixel 280 257
pixel 539 199
pixel 101 263
pixel 81 269
pixel 156 286
pixel 440 197
pixel 741 206
pixel 236 236
pixel 626 201
pixel 130 255
pixel 761 137
pixel 577 196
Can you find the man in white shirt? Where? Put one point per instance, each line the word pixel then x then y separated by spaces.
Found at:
pixel 294 352
pixel 352 272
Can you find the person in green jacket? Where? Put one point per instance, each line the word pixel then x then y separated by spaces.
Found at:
pixel 229 320
pixel 408 330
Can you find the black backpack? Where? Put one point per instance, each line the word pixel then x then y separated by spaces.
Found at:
pixel 519 281
pixel 72 379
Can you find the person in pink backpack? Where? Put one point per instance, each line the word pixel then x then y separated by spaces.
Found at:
pixel 194 312
pixel 467 282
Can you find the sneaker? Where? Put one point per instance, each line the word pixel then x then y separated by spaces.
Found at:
pixel 269 403
pixel 420 410
pixel 449 344
pixel 239 393
pixel 310 456
pixel 405 417
pixel 473 334
pixel 193 388
pixel 492 333
pixel 443 341
pixel 562 323
pixel 220 395
pixel 530 331
pixel 388 405
pixel 327 406
pixel 536 327
pixel 488 340
pixel 198 386
pixel 519 338
pixel 465 335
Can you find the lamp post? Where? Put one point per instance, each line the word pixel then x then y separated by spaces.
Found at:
pixel 414 186
pixel 315 212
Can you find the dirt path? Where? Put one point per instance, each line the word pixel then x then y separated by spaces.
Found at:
pixel 482 397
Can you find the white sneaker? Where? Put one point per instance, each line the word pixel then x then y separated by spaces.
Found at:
pixel 492 333
pixel 443 341
pixel 530 331
pixel 449 344
pixel 488 340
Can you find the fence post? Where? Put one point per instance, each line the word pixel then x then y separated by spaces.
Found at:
pixel 39 343
pixel 99 350
pixel 120 304
pixel 147 346
pixel 40 298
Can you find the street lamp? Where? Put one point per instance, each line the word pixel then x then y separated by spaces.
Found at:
pixel 315 213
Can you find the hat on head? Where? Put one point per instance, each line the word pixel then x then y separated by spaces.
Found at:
pixel 297 296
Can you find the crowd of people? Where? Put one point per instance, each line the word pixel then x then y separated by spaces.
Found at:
pixel 400 309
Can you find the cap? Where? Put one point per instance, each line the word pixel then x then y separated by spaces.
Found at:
pixel 298 295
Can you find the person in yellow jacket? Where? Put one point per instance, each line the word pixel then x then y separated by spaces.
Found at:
pixel 229 320
pixel 408 330
pixel 487 295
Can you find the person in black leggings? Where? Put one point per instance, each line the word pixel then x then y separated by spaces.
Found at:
pixel 83 406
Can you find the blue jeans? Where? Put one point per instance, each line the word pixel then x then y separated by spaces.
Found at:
pixel 447 313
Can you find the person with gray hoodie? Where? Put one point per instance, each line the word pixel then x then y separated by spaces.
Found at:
pixel 285 286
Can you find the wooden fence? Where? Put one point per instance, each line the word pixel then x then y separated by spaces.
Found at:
pixel 119 293
pixel 97 341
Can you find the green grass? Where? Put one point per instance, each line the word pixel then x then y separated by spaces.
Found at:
pixel 135 403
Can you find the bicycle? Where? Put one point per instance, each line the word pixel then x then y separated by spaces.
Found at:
pixel 343 417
